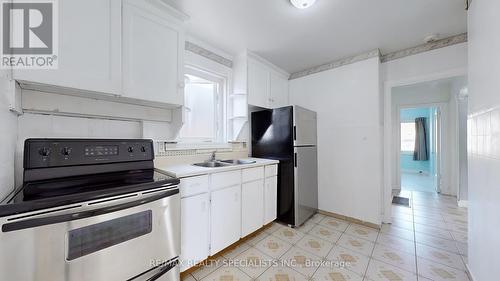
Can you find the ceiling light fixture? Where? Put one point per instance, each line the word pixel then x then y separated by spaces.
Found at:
pixel 302 4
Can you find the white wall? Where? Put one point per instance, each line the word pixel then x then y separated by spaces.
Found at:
pixel 484 140
pixel 447 62
pixel 8 136
pixel 347 100
pixel 48 126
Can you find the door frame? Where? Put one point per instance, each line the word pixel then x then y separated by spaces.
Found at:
pixel 386 204
pixel 442 110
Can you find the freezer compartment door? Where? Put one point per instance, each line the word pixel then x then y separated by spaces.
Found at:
pixel 272 133
pixel 306 183
pixel 305 124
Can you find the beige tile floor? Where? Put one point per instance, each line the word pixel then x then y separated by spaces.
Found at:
pixel 425 242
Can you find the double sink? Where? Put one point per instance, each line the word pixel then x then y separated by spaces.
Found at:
pixel 224 163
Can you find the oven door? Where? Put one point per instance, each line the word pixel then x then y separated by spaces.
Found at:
pixel 128 237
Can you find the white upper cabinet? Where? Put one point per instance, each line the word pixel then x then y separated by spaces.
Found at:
pixel 125 50
pixel 267 87
pixel 278 96
pixel 153 48
pixel 258 83
pixel 89 48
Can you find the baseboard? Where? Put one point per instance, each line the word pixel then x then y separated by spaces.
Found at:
pixel 350 219
pixel 463 203
pixel 469 273
pixel 416 172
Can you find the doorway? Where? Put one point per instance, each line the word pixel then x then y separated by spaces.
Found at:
pixel 419 131
pixel 445 95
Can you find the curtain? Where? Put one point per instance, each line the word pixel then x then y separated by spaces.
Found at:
pixel 421 152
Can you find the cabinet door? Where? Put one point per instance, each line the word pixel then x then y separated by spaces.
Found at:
pixel 89 48
pixel 258 83
pixel 194 229
pixel 270 199
pixel 252 206
pixel 153 47
pixel 279 90
pixel 225 214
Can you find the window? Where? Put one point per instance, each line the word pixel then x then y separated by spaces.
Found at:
pixel 204 108
pixel 408 135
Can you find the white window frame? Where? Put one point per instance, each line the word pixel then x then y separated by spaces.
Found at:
pixel 401 135
pixel 220 110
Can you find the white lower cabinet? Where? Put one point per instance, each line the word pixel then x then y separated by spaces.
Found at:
pixel 225 218
pixel 219 209
pixel 194 230
pixel 252 206
pixel 270 199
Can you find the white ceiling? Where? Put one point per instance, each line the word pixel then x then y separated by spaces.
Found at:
pixel 296 39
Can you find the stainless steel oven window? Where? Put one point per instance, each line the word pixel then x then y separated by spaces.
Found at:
pixel 93 238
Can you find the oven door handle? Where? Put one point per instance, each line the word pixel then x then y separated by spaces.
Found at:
pixel 164 270
pixel 36 222
pixel 161 270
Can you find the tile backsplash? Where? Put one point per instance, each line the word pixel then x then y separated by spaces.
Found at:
pixel 168 154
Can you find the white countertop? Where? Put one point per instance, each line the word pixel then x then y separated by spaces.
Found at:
pixel 189 170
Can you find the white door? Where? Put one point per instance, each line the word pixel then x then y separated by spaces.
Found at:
pixel 153 48
pixel 270 199
pixel 225 218
pixel 258 83
pixel 279 90
pixel 252 206
pixel 194 230
pixel 89 48
pixel 437 147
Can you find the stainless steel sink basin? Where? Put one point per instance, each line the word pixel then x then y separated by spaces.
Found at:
pixel 238 161
pixel 211 164
pixel 224 163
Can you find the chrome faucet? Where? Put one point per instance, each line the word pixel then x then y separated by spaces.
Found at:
pixel 212 156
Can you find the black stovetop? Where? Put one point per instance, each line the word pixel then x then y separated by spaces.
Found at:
pixel 51 193
pixel 59 172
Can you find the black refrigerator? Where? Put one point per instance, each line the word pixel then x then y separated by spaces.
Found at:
pixel 288 134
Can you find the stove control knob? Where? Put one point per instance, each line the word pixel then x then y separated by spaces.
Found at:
pixel 143 149
pixel 66 151
pixel 44 151
pixel 130 149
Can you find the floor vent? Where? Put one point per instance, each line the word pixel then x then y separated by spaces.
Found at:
pixel 401 201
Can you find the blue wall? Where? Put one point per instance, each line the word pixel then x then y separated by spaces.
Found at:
pixel 406 158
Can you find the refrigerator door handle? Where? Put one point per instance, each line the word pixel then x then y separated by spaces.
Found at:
pixel 295 159
pixel 294 133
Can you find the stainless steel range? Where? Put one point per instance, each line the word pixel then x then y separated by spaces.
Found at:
pixel 91 210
